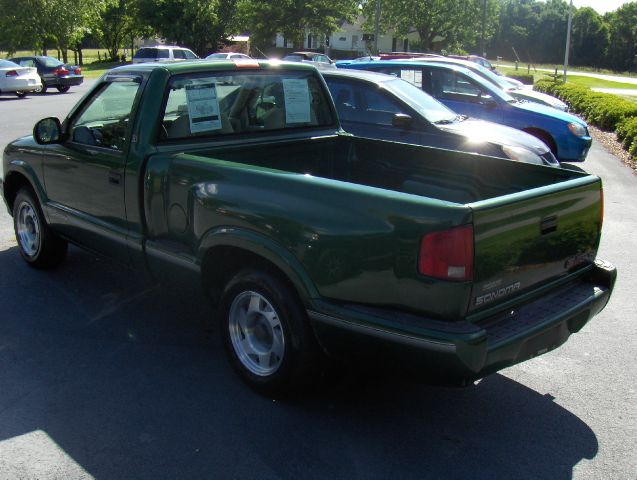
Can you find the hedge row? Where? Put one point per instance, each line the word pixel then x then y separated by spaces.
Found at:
pixel 604 110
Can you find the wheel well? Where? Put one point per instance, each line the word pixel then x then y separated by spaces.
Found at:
pixel 223 262
pixel 12 184
pixel 545 137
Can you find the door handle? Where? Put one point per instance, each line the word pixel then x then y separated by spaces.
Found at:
pixel 114 177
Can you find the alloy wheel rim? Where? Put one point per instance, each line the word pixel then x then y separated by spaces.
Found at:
pixel 256 333
pixel 28 227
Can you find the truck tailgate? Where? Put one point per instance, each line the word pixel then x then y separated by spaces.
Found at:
pixel 526 239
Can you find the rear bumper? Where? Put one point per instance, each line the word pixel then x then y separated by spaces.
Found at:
pixel 461 352
pixel 68 81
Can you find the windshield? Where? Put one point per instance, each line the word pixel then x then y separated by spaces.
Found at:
pixel 51 62
pixel 217 55
pixel 423 103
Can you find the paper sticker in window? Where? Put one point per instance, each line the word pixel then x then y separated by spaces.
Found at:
pixel 297 100
pixel 203 107
pixel 412 76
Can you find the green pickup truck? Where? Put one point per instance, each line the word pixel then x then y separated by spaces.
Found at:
pixel 236 175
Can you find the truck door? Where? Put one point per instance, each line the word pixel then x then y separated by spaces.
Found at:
pixel 84 175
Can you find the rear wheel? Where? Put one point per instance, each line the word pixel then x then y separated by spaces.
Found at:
pixel 21 94
pixel 63 89
pixel 266 332
pixel 39 246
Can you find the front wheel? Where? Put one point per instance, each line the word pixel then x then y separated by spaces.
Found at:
pixel 39 246
pixel 41 89
pixel 21 94
pixel 266 332
pixel 63 89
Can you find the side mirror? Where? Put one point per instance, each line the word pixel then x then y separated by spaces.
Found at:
pixel 402 120
pixel 488 101
pixel 47 131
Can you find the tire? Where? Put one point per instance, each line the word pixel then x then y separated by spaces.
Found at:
pixel 546 138
pixel 21 94
pixel 38 244
pixel 63 89
pixel 266 333
pixel 42 89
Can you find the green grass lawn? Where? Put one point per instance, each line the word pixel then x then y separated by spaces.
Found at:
pixel 581 80
pixel 560 69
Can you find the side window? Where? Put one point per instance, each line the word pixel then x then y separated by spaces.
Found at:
pixel 451 85
pixel 27 63
pixel 104 121
pixel 363 103
pixel 344 95
pixel 146 53
pixel 179 54
pixel 378 107
pixel 241 102
pixel 161 53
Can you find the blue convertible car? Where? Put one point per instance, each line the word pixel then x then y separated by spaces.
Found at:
pixel 466 93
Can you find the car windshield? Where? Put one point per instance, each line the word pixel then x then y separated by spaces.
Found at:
pixel 8 64
pixel 426 105
pixel 51 62
pixel 217 55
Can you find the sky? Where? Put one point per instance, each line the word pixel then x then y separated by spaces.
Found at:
pixel 602 6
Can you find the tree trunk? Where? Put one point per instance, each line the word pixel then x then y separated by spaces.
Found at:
pixel 79 57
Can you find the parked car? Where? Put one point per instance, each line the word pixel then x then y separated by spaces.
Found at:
pixel 467 93
pixel 376 105
pixel 52 72
pixel 475 59
pixel 227 56
pixel 513 87
pixel 18 80
pixel 319 60
pixel 163 53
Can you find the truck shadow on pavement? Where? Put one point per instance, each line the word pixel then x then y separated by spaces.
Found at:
pixel 121 378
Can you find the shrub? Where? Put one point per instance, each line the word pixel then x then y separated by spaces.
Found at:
pixel 525 79
pixel 602 109
pixel 627 134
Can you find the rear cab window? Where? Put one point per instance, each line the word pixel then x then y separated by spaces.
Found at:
pixel 240 102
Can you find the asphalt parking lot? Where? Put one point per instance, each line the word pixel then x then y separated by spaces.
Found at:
pixel 105 375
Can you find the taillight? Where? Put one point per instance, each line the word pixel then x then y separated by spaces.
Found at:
pixel 601 200
pixel 78 71
pixel 60 71
pixel 11 73
pixel 448 254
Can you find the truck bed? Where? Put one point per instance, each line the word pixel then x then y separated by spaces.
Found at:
pixel 429 172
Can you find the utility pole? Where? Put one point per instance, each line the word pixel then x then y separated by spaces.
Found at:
pixel 376 27
pixel 568 37
pixel 484 22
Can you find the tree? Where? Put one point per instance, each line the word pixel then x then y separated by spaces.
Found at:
pixel 438 22
pixel 589 38
pixel 117 23
pixel 198 24
pixel 293 18
pixel 622 25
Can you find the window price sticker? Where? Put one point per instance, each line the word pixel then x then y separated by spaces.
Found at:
pixel 203 107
